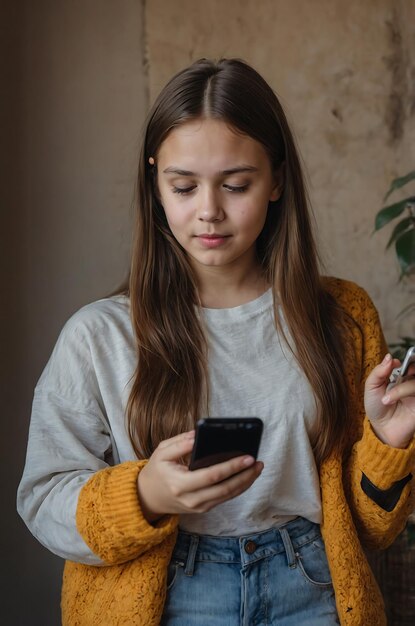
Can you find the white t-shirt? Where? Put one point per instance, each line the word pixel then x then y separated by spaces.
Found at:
pixel 253 373
pixel 78 423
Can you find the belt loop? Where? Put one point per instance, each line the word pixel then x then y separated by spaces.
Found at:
pixel 191 555
pixel 289 550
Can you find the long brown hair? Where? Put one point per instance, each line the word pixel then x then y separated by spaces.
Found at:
pixel 170 383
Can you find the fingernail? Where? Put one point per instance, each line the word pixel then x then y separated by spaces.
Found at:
pixel 248 460
pixel 386 399
pixel 190 435
pixel 387 358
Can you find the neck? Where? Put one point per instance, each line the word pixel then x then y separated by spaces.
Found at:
pixel 226 287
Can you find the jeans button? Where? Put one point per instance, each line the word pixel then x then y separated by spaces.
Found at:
pixel 250 547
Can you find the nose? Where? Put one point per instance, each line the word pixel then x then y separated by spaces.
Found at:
pixel 210 206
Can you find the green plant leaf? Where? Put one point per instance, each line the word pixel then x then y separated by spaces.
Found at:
pixel 405 251
pixel 399 348
pixel 399 229
pixel 397 183
pixel 409 341
pixel 388 213
pixel 399 353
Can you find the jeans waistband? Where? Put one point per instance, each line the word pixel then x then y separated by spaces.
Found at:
pixel 246 549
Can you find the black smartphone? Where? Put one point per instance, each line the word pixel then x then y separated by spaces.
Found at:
pixel 219 439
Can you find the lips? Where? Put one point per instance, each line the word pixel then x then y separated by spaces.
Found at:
pixel 212 240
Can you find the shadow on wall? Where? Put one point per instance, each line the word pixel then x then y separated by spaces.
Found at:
pixel 76 97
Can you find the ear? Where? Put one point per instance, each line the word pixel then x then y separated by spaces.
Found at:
pixel 279 177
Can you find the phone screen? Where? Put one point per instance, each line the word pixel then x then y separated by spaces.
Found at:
pixel 219 439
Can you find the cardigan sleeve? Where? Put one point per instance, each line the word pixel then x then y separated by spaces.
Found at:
pixel 109 517
pixel 75 496
pixel 380 513
pixel 378 478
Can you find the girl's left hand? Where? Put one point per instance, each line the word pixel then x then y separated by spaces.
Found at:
pixel 391 413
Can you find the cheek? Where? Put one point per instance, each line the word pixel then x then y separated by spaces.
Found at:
pixel 252 214
pixel 176 215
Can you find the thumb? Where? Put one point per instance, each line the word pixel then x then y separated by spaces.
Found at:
pixel 381 373
pixel 175 448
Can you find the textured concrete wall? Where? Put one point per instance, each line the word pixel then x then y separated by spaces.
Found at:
pixel 345 72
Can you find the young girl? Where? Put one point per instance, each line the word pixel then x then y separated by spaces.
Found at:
pixel 225 314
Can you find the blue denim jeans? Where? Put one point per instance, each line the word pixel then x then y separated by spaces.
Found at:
pixel 279 576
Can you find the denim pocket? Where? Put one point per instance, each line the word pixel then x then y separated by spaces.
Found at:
pixel 172 570
pixel 312 563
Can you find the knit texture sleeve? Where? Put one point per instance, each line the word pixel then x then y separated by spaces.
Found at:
pixel 109 516
pixel 380 463
pixel 383 466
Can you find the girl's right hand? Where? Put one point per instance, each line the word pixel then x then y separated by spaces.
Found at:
pixel 167 486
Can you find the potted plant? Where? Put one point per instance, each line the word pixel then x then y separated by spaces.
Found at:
pixel 403 238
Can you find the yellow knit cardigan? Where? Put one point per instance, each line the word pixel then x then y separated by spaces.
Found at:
pixel 130 590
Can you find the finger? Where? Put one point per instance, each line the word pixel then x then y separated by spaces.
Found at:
pixel 201 478
pixel 381 373
pixel 177 449
pixel 205 499
pixel 411 370
pixel 405 389
pixel 182 436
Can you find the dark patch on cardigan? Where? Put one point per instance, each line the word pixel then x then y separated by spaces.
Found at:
pixel 387 499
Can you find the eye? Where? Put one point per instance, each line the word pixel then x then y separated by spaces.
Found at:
pixel 183 190
pixel 236 188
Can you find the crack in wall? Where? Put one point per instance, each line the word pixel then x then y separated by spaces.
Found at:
pixel 145 52
pixel 396 64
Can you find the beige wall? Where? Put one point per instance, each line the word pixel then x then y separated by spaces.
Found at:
pixel 74 95
pixel 74 92
pixel 345 72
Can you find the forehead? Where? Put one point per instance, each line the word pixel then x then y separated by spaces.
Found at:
pixel 209 141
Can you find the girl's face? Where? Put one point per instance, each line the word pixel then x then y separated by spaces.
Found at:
pixel 215 184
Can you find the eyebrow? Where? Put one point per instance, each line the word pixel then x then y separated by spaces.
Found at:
pixel 233 170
